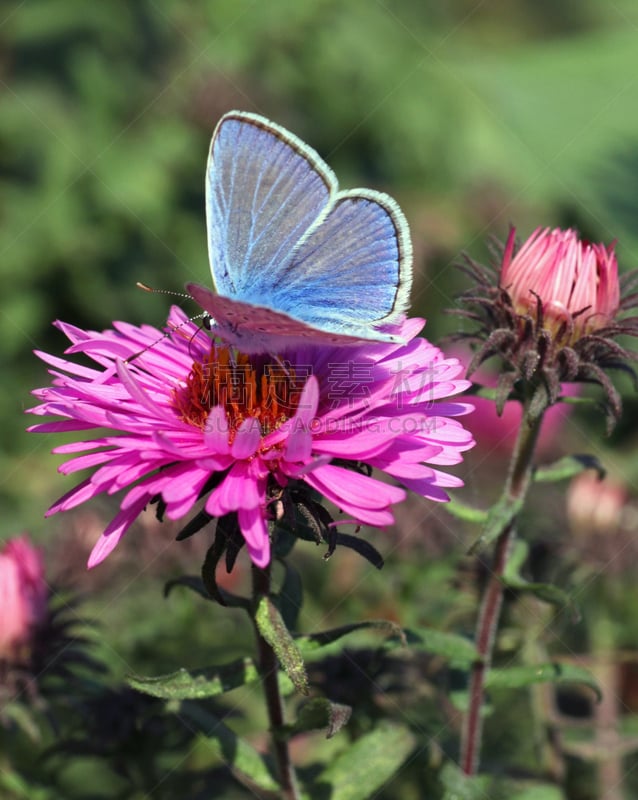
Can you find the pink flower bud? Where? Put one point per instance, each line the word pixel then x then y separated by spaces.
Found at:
pixel 576 282
pixel 23 594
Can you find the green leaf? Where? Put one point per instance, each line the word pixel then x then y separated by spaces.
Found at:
pixel 568 467
pixel 319 713
pixel 247 764
pixel 24 719
pixel 499 517
pixel 312 642
pixel 369 763
pixel 272 627
pixel 465 512
pixel 522 676
pixel 196 584
pixel 456 649
pixel 536 791
pixel 209 682
pixel 20 790
pixel 544 591
pixel 290 596
pixel 459 786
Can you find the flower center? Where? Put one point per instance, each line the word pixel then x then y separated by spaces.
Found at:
pixel 259 388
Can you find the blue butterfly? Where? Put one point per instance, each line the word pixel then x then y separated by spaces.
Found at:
pixel 294 260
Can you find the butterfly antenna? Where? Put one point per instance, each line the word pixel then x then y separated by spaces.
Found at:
pixel 152 290
pixel 207 320
pixel 172 328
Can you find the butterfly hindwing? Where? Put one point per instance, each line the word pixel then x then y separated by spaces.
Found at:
pixel 345 274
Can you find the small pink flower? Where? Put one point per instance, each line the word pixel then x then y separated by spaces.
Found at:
pixel 188 418
pixel 23 595
pixel 576 282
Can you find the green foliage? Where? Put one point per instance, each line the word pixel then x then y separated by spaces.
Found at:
pixel 245 762
pixel 185 685
pixel 361 770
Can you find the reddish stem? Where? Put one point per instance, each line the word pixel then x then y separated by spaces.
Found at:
pixel 516 486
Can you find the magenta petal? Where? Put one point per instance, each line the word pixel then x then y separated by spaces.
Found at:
pixel 308 402
pixel 346 487
pixel 239 489
pixel 114 532
pixel 81 493
pixel 247 439
pixel 255 531
pixel 216 431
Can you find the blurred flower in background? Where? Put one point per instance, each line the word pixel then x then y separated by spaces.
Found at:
pixel 23 597
pixel 43 652
pixel 595 506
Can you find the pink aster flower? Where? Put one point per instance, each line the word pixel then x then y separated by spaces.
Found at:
pixel 178 419
pixel 576 282
pixel 23 595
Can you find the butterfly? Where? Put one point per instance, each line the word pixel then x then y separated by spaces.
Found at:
pixel 293 259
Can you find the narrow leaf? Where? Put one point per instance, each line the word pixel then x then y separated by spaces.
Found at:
pixel 456 649
pixel 290 596
pixel 522 676
pixel 499 517
pixel 568 467
pixel 459 786
pixel 465 512
pixel 272 627
pixel 196 685
pixel 537 791
pixel 196 584
pixel 310 643
pixel 544 591
pixel 247 764
pixel 319 713
pixel 359 772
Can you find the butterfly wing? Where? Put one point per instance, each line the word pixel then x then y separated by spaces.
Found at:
pixel 264 189
pixel 351 273
pixel 283 239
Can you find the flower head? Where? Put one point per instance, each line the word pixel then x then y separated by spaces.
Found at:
pixel 188 418
pixel 575 282
pixel 23 596
pixel 552 311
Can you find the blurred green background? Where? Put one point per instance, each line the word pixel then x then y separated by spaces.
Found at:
pixel 472 115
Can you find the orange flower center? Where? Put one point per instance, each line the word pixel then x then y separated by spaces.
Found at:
pixel 262 389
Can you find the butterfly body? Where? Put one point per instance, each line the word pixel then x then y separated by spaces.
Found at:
pixel 293 259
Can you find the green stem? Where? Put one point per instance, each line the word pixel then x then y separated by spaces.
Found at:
pixel 268 669
pixel 514 492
